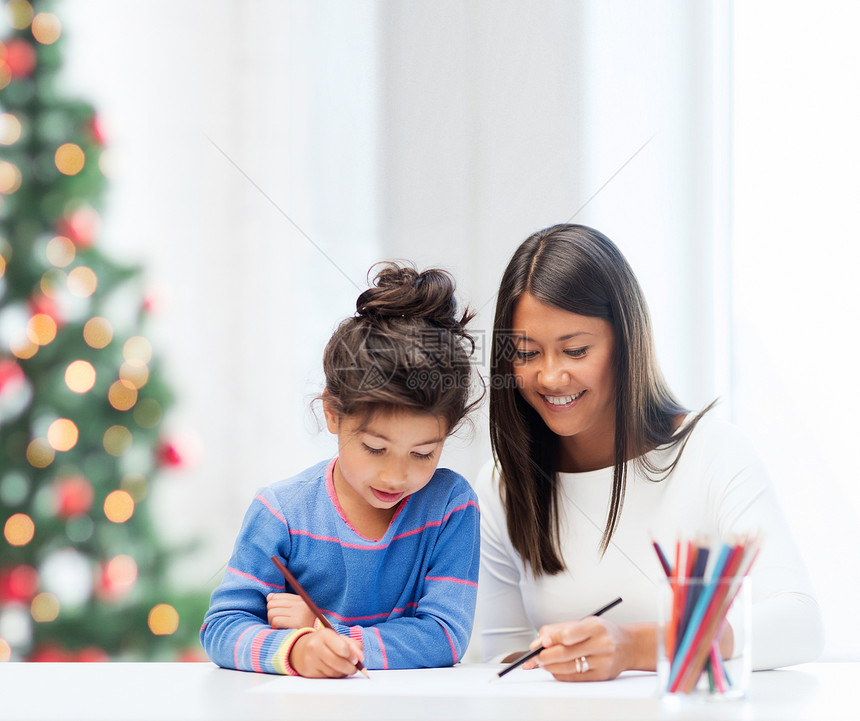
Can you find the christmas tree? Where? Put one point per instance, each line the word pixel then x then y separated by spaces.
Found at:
pixel 83 572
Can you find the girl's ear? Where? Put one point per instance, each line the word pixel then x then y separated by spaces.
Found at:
pixel 331 418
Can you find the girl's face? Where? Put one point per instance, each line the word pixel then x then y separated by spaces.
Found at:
pixel 392 457
pixel 564 370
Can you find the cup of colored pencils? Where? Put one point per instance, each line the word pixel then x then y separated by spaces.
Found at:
pixel 704 619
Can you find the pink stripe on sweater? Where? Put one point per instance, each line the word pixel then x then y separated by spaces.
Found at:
pixel 331 539
pixel 451 644
pixel 376 546
pixel 460 508
pixel 236 647
pixel 431 524
pixel 381 648
pixel 352 619
pixel 451 579
pixel 274 512
pixel 254 578
pixel 256 646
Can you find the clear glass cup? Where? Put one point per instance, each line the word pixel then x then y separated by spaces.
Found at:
pixel 691 619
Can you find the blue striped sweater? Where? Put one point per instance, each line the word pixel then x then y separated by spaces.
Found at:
pixel 409 597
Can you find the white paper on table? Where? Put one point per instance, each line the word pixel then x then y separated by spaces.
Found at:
pixel 464 680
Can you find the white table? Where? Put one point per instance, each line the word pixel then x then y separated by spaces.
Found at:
pixel 201 691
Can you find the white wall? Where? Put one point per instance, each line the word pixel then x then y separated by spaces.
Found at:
pixel 268 152
pixel 796 253
pixel 244 140
pixel 501 118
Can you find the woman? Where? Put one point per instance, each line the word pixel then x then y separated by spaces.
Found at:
pixel 594 459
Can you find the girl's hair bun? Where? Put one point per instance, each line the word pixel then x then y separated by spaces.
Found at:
pixel 400 291
pixel 405 348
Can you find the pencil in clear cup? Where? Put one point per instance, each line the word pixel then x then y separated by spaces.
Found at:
pixel 704 613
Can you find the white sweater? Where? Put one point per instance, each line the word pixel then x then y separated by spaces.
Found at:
pixel 719 488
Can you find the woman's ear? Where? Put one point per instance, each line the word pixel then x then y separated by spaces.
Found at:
pixel 332 419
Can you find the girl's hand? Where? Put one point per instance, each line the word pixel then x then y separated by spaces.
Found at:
pixel 325 654
pixel 286 610
pixel 608 649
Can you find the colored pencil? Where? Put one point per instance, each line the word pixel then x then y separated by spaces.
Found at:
pixel 681 660
pixel 664 561
pixel 291 579
pixel 711 624
pixel 672 629
pixel 534 652
pixel 673 624
pixel 694 583
pixel 697 616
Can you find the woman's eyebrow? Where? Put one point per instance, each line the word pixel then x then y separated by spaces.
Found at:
pixel 568 336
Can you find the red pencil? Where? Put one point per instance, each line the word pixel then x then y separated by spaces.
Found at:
pixel 309 601
pixel 664 562
pixel 672 631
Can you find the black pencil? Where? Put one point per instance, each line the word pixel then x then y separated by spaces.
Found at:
pixel 531 654
pixel 309 601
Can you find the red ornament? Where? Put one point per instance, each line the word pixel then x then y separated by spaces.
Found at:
pixel 110 587
pixel 74 496
pixel 11 375
pixel 49 653
pixel 19 583
pixel 152 301
pixel 105 590
pixel 191 655
pixel 41 303
pixel 90 654
pixel 21 58
pixel 168 455
pixel 24 582
pixel 97 130
pixel 81 226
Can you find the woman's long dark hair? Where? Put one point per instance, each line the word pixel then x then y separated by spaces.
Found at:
pixel 579 270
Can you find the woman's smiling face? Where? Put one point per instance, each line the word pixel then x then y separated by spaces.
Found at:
pixel 563 365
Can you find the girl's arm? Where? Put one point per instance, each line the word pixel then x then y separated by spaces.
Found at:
pixel 235 632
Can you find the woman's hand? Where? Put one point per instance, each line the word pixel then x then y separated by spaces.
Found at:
pixel 286 610
pixel 325 654
pixel 594 649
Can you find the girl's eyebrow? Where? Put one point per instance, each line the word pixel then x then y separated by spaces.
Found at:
pixel 388 440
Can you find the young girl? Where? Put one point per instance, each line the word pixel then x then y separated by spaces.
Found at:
pixel 383 541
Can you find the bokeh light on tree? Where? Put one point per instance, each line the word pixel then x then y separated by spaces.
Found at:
pixel 83 569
